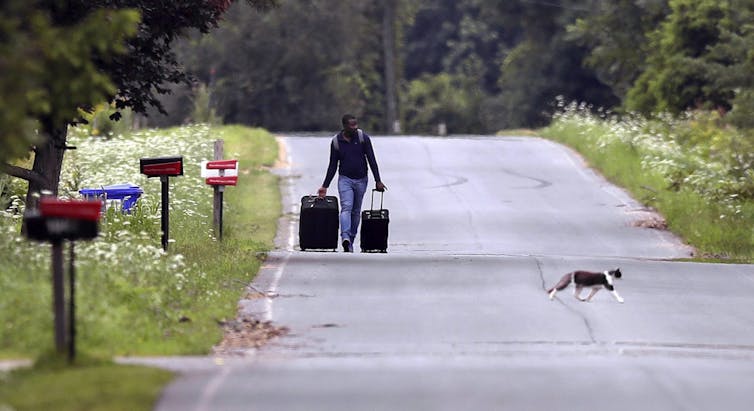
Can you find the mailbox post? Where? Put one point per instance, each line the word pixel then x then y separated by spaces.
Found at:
pixel 218 174
pixel 163 167
pixel 55 221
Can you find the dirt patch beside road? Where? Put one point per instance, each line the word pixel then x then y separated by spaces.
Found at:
pixel 245 333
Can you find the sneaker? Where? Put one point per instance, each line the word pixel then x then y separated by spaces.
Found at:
pixel 347 246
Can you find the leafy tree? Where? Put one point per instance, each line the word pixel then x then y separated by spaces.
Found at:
pixel 542 62
pixel 85 51
pixel 434 26
pixel 616 34
pixel 318 61
pixel 730 63
pixel 511 58
pixel 453 52
pixel 677 76
pixel 49 70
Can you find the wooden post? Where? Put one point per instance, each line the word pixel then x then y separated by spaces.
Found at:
pixel 58 296
pixel 217 204
pixel 165 221
pixel 71 304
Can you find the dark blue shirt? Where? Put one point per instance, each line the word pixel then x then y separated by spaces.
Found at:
pixel 351 159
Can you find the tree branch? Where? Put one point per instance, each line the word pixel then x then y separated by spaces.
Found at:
pixel 22 173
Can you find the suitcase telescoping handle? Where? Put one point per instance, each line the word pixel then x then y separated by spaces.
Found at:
pixel 382 197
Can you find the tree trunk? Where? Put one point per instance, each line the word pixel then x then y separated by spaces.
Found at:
pixel 48 162
pixel 388 45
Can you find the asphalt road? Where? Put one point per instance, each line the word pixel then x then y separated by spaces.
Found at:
pixel 455 316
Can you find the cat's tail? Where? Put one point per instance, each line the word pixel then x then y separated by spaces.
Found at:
pixel 563 283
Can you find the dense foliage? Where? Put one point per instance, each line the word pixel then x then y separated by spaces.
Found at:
pixel 49 68
pixel 477 65
pixel 318 60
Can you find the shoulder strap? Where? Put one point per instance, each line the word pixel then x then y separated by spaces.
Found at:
pixel 336 146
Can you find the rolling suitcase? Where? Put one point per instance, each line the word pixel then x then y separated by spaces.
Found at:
pixel 374 228
pixel 318 225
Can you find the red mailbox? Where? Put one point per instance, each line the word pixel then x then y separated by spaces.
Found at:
pixel 73 209
pixel 58 220
pixel 161 166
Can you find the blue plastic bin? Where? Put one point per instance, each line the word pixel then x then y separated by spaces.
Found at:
pixel 126 194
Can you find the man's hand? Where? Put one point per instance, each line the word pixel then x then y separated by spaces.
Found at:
pixel 379 186
pixel 322 192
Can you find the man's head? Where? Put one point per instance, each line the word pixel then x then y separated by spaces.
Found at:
pixel 349 121
pixel 350 125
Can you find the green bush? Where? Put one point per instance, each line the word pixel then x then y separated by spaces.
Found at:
pixel 446 99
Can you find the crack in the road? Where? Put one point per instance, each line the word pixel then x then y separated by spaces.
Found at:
pixel 588 326
pixel 541 274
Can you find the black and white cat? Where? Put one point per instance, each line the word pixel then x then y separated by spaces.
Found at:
pixel 588 279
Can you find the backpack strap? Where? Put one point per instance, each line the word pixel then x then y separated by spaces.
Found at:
pixel 336 146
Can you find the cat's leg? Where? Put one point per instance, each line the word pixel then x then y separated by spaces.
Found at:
pixel 614 293
pixel 577 292
pixel 552 293
pixel 591 294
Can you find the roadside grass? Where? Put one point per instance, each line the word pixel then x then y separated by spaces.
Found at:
pixel 100 386
pixel 703 195
pixel 133 298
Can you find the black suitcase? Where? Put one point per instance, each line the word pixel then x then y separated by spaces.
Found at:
pixel 318 224
pixel 374 228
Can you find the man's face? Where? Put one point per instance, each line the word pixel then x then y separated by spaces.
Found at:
pixel 351 127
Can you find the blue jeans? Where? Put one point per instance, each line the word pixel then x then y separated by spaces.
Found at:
pixel 351 194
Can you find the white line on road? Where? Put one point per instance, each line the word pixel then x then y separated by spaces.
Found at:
pixel 273 289
pixel 210 390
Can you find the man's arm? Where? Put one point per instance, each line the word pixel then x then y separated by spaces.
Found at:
pixel 331 169
pixel 373 163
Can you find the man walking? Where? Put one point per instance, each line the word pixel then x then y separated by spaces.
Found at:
pixel 350 151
